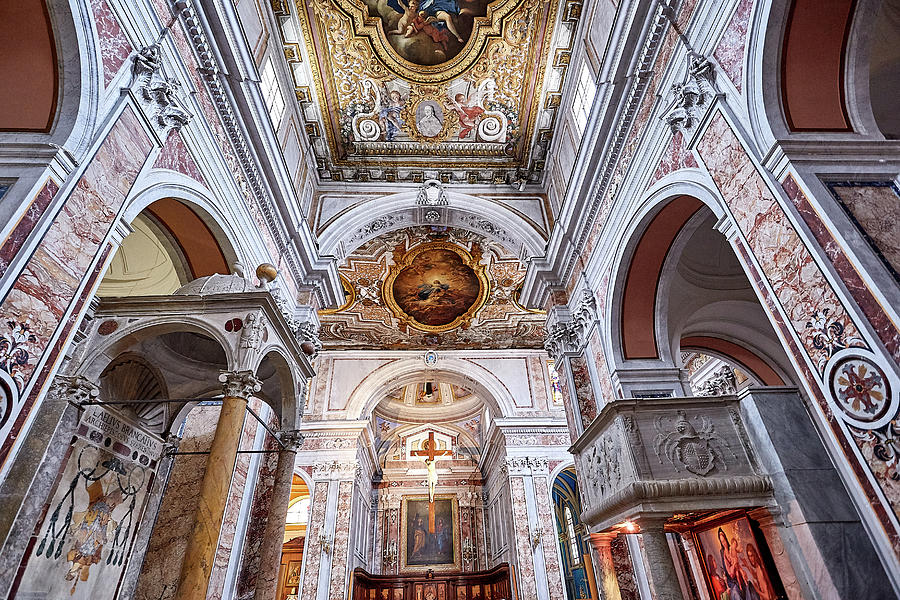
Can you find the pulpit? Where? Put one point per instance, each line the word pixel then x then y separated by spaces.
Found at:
pixel 493 584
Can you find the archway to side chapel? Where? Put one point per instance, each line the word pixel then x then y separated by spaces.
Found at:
pixel 578 570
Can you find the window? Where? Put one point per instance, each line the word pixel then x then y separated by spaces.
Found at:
pixel 272 93
pixel 585 91
pixel 573 538
pixel 298 512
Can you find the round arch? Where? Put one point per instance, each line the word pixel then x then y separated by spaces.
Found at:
pixel 463 211
pixel 104 353
pixel 280 386
pixel 402 372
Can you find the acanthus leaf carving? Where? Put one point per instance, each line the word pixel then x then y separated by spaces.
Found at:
pixel 159 94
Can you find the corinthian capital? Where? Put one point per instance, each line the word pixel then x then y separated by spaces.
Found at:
pixel 239 384
pixel 291 439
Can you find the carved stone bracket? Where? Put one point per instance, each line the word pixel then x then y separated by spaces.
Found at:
pixel 75 390
pixel 692 98
pixel 158 94
pixel 239 384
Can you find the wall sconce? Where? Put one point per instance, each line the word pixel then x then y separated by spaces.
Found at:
pixel 468 550
pixel 536 535
pixel 390 553
pixel 325 542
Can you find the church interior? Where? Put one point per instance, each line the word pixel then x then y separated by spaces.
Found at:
pixel 450 299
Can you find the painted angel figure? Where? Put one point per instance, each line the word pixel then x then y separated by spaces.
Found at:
pixel 431 16
pixel 469 108
pixel 389 115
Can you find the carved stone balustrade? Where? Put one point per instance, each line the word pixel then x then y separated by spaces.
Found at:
pixel 656 457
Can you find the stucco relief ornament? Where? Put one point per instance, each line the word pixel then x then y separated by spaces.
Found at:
pixel 158 94
pixel 561 338
pixel 692 98
pixel 603 467
pixel 431 193
pixel 239 384
pixel 722 383
pixel 697 451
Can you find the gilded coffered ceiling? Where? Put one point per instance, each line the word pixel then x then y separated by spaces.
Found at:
pixel 391 89
pixel 431 287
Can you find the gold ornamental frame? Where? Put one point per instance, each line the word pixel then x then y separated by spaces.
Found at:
pixel 456 565
pixel 402 261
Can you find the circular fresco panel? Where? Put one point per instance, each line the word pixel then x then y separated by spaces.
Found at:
pixel 435 287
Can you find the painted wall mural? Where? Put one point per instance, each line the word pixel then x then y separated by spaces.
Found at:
pixel 84 540
pixel 372 315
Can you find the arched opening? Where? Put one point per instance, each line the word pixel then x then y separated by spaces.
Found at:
pixel 28 66
pixel 170 245
pixel 884 69
pixel 688 300
pixel 574 552
pixel 813 67
pixel 294 540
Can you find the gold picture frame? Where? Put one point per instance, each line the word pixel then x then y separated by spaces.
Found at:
pixel 412 507
pixel 404 260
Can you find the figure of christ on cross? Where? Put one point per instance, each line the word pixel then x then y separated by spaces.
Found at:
pixel 429 452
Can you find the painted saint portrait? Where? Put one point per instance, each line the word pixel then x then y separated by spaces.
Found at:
pixel 427 32
pixel 733 564
pixel 437 287
pixel 429 118
pixel 424 548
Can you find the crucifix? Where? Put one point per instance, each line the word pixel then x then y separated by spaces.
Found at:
pixel 429 452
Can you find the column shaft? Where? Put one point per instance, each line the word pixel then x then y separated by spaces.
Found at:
pixel 270 550
pixel 661 568
pixel 204 537
pixel 610 583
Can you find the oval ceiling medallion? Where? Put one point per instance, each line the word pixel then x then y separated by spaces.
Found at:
pixel 435 287
pixel 428 41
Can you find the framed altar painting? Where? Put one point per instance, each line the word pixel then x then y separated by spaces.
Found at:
pixel 421 549
pixel 733 564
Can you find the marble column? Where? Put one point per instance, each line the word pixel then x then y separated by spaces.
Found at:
pixel 238 386
pixel 661 573
pixel 694 563
pixel 273 537
pixel 609 582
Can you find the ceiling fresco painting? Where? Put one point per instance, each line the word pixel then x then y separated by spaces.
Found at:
pixel 431 287
pixel 398 83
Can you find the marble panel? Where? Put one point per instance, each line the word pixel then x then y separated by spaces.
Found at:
pixel 522 532
pixel 886 329
pixel 584 389
pixel 816 313
pixel 729 52
pixel 675 157
pixel 621 559
pixel 81 545
pixel 256 526
pixel 168 542
pixel 340 553
pixel 33 308
pixel 313 549
pixel 875 210
pixel 176 157
pixel 607 392
pixel 114 46
pixel 25 226
pixel 544 504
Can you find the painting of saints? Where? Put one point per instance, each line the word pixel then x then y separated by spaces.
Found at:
pixel 468 114
pixel 734 567
pixel 424 548
pixel 428 32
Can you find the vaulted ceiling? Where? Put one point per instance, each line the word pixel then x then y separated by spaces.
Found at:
pixel 464 91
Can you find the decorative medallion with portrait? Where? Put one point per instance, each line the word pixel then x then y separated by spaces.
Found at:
pixel 436 286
